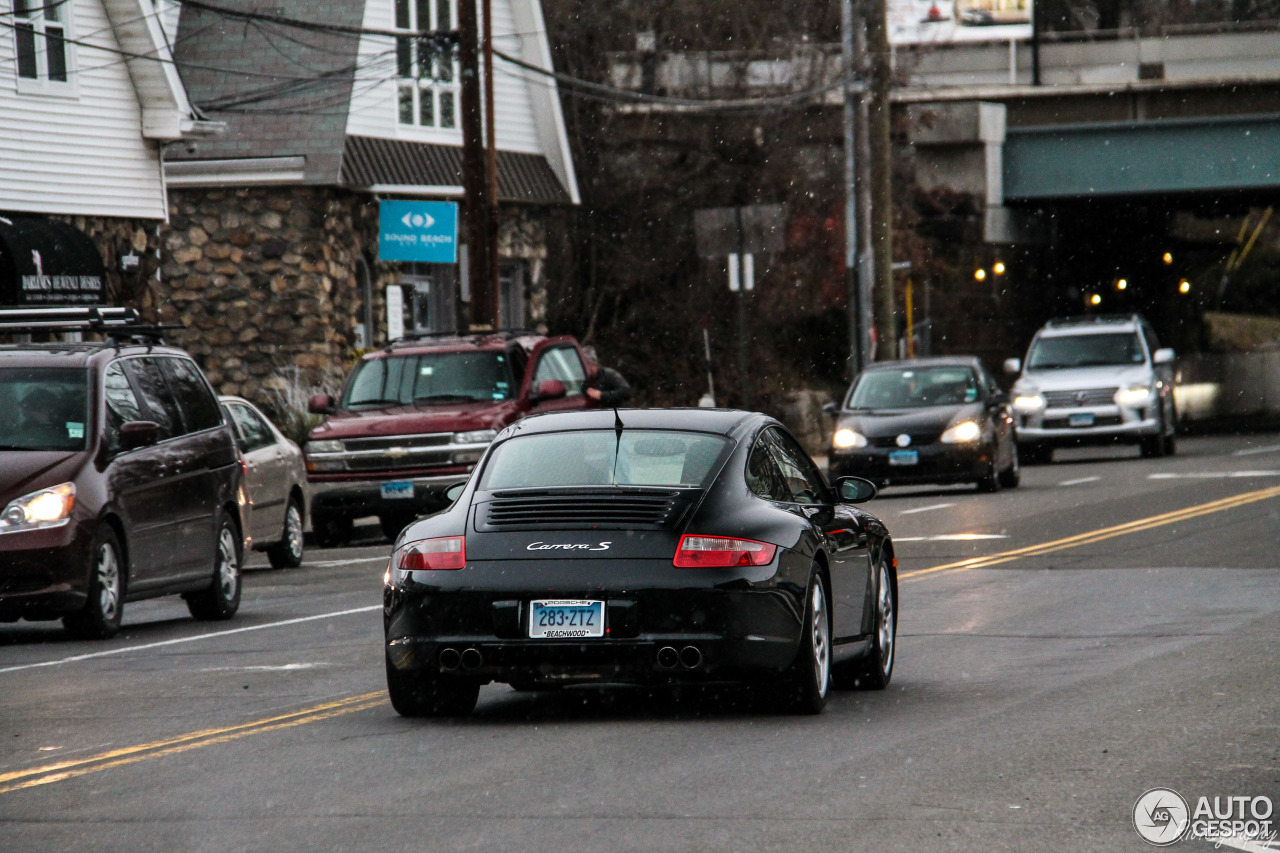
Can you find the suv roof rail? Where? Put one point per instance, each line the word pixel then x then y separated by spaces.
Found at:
pixel 116 323
pixel 1094 319
pixel 410 338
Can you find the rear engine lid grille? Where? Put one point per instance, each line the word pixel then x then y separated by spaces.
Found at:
pixel 656 509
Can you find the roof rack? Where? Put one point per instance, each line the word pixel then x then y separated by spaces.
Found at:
pixel 1094 319
pixel 117 323
pixel 410 338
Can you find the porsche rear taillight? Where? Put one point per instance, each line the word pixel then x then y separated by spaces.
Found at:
pixel 703 552
pixel 445 553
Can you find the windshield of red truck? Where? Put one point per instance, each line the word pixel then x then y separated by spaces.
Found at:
pixel 447 377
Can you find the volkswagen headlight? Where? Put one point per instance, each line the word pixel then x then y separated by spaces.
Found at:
pixel 46 508
pixel 962 433
pixel 845 439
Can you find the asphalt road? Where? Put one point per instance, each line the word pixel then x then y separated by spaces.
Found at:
pixel 1108 628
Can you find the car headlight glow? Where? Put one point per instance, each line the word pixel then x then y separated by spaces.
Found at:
pixel 324 447
pixel 962 433
pixel 846 438
pixel 478 436
pixel 1028 402
pixel 1134 395
pixel 46 508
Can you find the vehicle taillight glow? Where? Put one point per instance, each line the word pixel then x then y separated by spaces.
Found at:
pixel 445 553
pixel 702 552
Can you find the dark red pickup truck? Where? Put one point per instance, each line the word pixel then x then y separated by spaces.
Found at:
pixel 414 417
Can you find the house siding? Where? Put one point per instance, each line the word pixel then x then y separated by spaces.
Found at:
pixel 80 153
pixel 373 106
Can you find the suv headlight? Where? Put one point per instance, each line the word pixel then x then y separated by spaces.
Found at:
pixel 1028 401
pixel 1134 395
pixel 323 447
pixel 847 438
pixel 46 508
pixel 478 436
pixel 962 433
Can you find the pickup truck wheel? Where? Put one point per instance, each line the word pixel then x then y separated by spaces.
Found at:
pixel 330 531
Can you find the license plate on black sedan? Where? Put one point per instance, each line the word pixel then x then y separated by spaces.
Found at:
pixel 904 457
pixel 565 619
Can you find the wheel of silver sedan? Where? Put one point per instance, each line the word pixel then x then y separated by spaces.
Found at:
pixel 287 553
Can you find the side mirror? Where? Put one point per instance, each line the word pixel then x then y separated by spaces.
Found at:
pixel 1013 366
pixel 550 389
pixel 320 404
pixel 135 434
pixel 455 491
pixel 1164 355
pixel 831 410
pixel 855 490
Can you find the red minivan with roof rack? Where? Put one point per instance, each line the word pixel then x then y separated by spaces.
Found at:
pixel 414 417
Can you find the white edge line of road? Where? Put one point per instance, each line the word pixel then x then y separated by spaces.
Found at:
pixel 1212 475
pixel 1252 450
pixel 126 649
pixel 925 509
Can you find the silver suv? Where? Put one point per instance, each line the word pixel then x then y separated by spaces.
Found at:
pixel 1093 380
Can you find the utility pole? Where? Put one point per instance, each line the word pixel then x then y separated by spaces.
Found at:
pixel 475 186
pixel 857 337
pixel 491 169
pixel 881 167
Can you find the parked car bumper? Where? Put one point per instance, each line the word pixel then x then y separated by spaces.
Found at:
pixel 43 573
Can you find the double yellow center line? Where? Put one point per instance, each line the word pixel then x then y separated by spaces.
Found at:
pixel 1098 535
pixel 63 770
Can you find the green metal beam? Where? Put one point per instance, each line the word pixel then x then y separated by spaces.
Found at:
pixel 1140 158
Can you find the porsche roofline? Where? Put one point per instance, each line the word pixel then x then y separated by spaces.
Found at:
pixel 726 422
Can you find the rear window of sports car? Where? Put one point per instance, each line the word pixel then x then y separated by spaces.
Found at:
pixel 603 458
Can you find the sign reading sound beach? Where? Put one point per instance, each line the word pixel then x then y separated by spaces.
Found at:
pixel 423 231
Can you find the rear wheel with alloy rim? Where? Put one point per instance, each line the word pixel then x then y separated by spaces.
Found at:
pixel 808 679
pixel 104 606
pixel 420 694
pixel 222 598
pixel 877 666
pixel 287 553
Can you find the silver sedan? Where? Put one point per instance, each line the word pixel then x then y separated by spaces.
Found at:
pixel 275 485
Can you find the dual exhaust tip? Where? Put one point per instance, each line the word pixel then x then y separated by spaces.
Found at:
pixel 690 657
pixel 468 659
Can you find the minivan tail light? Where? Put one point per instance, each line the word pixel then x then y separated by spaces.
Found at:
pixel 445 553
pixel 702 552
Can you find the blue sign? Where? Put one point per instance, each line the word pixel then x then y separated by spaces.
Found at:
pixel 425 231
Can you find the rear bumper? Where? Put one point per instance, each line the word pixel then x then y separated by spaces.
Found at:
pixel 937 463
pixel 702 632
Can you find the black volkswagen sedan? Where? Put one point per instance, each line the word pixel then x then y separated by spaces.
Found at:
pixel 641 546
pixel 932 420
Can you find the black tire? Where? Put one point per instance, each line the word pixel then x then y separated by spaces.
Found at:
pixel 1153 446
pixel 393 523
pixel 807 682
pixel 876 668
pixel 331 531
pixel 100 617
pixel 992 481
pixel 1011 477
pixel 287 553
pixel 422 694
pixel 221 599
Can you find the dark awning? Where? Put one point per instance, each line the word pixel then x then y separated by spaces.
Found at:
pixel 369 162
pixel 47 262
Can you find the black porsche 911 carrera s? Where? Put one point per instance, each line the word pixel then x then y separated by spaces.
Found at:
pixel 641 546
